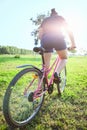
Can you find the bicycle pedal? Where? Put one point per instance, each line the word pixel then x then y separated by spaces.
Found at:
pixel 30 97
pixel 57 79
pixel 50 89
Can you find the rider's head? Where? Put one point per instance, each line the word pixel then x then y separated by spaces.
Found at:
pixel 53 12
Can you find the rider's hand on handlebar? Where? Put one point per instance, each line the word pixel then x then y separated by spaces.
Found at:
pixel 72 47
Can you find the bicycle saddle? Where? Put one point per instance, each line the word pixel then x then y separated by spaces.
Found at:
pixel 39 49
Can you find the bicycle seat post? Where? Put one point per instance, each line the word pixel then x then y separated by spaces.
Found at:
pixel 42 55
pixel 41 51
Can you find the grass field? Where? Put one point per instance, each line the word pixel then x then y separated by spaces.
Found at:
pixel 68 112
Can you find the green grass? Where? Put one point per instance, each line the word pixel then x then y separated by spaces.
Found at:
pixel 68 112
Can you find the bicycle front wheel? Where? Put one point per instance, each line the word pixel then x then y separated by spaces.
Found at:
pixel 62 84
pixel 19 107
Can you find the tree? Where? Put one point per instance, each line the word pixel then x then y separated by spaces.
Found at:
pixel 37 21
pixel 13 50
pixel 3 50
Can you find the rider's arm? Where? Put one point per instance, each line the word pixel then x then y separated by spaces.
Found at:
pixel 70 34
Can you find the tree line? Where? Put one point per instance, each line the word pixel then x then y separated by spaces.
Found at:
pixel 13 50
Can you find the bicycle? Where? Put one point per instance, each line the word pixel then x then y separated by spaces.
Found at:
pixel 25 93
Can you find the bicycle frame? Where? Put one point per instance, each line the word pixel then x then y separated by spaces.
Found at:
pixel 45 75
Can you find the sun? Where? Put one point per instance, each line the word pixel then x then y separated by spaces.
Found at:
pixel 77 25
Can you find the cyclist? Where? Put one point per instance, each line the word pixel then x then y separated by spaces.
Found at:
pixel 52 34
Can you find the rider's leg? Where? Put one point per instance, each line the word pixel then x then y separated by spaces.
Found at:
pixel 62 60
pixel 47 57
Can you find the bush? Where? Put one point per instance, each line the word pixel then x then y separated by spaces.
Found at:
pixel 17 56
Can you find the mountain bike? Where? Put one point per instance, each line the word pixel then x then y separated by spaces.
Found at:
pixel 25 93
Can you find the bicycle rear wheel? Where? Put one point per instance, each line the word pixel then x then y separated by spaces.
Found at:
pixel 62 84
pixel 18 107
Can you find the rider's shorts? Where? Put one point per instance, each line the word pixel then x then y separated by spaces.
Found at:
pixel 50 42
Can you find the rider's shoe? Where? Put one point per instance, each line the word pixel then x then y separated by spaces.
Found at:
pixel 57 79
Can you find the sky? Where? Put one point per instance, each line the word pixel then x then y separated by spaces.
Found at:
pixel 16 27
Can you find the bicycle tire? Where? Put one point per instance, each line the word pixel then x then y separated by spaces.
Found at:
pixel 18 110
pixel 62 84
